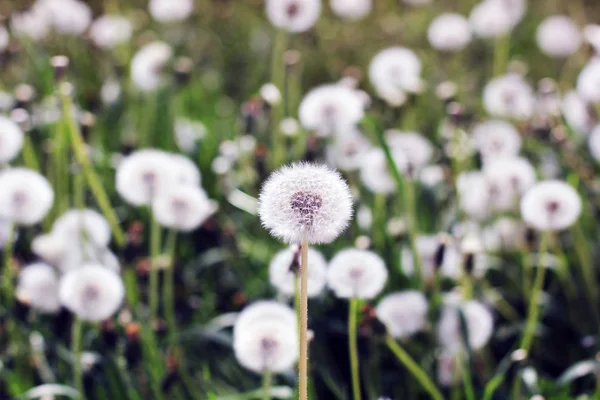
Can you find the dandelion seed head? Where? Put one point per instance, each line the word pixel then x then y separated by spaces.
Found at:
pixel 417 150
pixel 496 138
pixel 347 151
pixel 577 113
pixel 169 11
pixel 550 205
pixel 374 171
pixel 26 196
pixel 558 36
pixel 11 140
pixel 474 194
pixel 449 32
pixel 351 9
pixel 293 15
pixel 504 234
pixel 479 322
pixel 108 31
pixel 508 178
pixel 403 313
pixel 50 248
pixel 34 23
pixel 183 207
pixel 148 63
pixel 187 171
pixel 38 288
pixel 355 273
pixel 282 276
pixel 393 72
pixel 588 81
pixel 70 17
pixel 270 93
pixel 79 226
pixel 509 96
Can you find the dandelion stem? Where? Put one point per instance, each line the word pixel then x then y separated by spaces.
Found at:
pixel 303 362
pixel 414 368
pixel 501 53
pixel 534 309
pixel 353 346
pixel 8 267
pixel 587 269
pixel 267 378
pixel 154 251
pixel 169 282
pixel 29 157
pixel 76 329
pixel 410 212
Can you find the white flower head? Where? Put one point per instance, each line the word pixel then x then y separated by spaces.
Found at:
pixel 145 174
pixel 393 72
pixel 551 205
pixel 79 226
pixel 50 248
pixel 148 64
pixel 496 139
pixel 270 93
pixel 108 31
pixel 167 11
pixel 474 195
pixel 92 292
pixel 588 81
pixel 432 175
pixel 374 171
pixel 347 151
pixel 26 196
pixel 449 32
pixel 508 179
pixel 183 207
pixel 577 113
pixel 351 9
pixel 71 17
pixel 417 150
pixel 187 171
pixel 38 288
pixel 591 33
pixel 355 273
pixel 594 143
pixel 435 252
pixel 558 36
pixel 293 15
pixel 504 234
pixel 265 337
pixel 282 276
pixel 494 18
pixel 403 313
pixel 509 96
pixel 11 140
pixel 330 109
pixel 33 23
pixel 188 133
pixel 305 201
pixel 290 127
pixel 4 38
pixel 479 324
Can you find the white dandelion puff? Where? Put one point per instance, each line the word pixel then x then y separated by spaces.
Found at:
pixel 188 133
pixel 49 247
pixel 144 174
pixel 393 72
pixel 591 33
pixel 416 149
pixel 293 15
pixel 11 140
pixel 79 226
pixel 183 207
pixel 265 337
pixel 351 9
pixel 167 11
pixel 26 196
pixel 551 205
pixel 330 109
pixel 305 202
pixel 374 171
pixel 34 23
pixel 4 38
pixel 508 179
pixel 283 277
pixel 509 96
pixel 496 139
pixel 577 113
pixel 38 288
pixel 474 195
pixel 594 143
pixel 108 31
pixel 495 18
pixel 504 234
pixel 355 273
pixel 92 292
pixel 186 170
pixel 71 17
pixel 403 313
pixel 148 64
pixel 558 36
pixel 347 151
pixel 588 81
pixel 479 323
pixel 270 93
pixel 449 32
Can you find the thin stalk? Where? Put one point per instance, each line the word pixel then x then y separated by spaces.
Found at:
pixel 414 368
pixel 266 385
pixel 76 331
pixel 353 347
pixel 169 283
pixel 303 362
pixel 501 53
pixel 534 310
pixel 468 379
pixel 8 276
pixel 410 211
pixel 83 159
pixel 587 269
pixel 154 252
pixel 29 157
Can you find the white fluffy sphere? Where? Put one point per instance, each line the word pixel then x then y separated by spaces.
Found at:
pixel 26 196
pixel 355 273
pixel 403 313
pixel 293 15
pixel 588 81
pixel 109 31
pixel 509 96
pixel 551 205
pixel 182 207
pixel 167 11
pixel 11 140
pixel 351 9
pixel 449 32
pixel 558 36
pixel 38 288
pixel 496 139
pixel 148 63
pixel 479 321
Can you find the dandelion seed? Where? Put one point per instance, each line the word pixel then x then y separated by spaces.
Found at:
pixel 558 36
pixel 168 11
pixel 356 273
pixel 550 205
pixel 393 72
pixel 11 140
pixel 38 288
pixel 265 337
pixel 449 32
pixel 26 196
pixel 293 15
pixel 305 202
pixel 284 267
pixel 351 9
pixel 183 207
pixel 403 313
pixel 479 321
pixel 509 96
pixel 374 171
pixel 108 31
pixel 92 292
pixel 147 65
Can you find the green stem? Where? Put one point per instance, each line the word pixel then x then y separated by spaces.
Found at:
pixel 353 347
pixel 83 159
pixel 468 379
pixel 414 368
pixel 29 157
pixel 303 361
pixel 169 283
pixel 267 378
pixel 8 281
pixel 534 309
pixel 410 211
pixel 587 269
pixel 154 253
pixel 501 53
pixel 76 331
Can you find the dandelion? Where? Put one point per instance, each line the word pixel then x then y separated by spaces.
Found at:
pixel 26 196
pixel 351 9
pixel 265 337
pixel 148 64
pixel 330 109
pixel 550 206
pixel 188 133
pixel 346 152
pixel 168 11
pixel 186 170
pixel 38 288
pixel 374 171
pixel 479 322
pixel 270 93
pixel 144 174
pixel 11 140
pixel 504 234
pixel 449 32
pixel 432 175
pixel 558 36
pixel 77 226
pixel 509 96
pixel 108 31
pixel 416 149
pixel 182 207
pixel 285 265
pixel 50 248
pixel 289 127
pixel 490 19
pixel 293 15
pixel 577 112
pixel 496 139
pixel 435 254
pixel 71 17
pixel 588 81
pixel 473 194
pixel 594 143
pixel 403 313
pixel 394 72
pixel 591 34
pixel 356 273
pixel 33 23
pixel 508 179
pixel 92 292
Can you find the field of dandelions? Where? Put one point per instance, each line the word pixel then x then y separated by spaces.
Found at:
pixel 300 199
